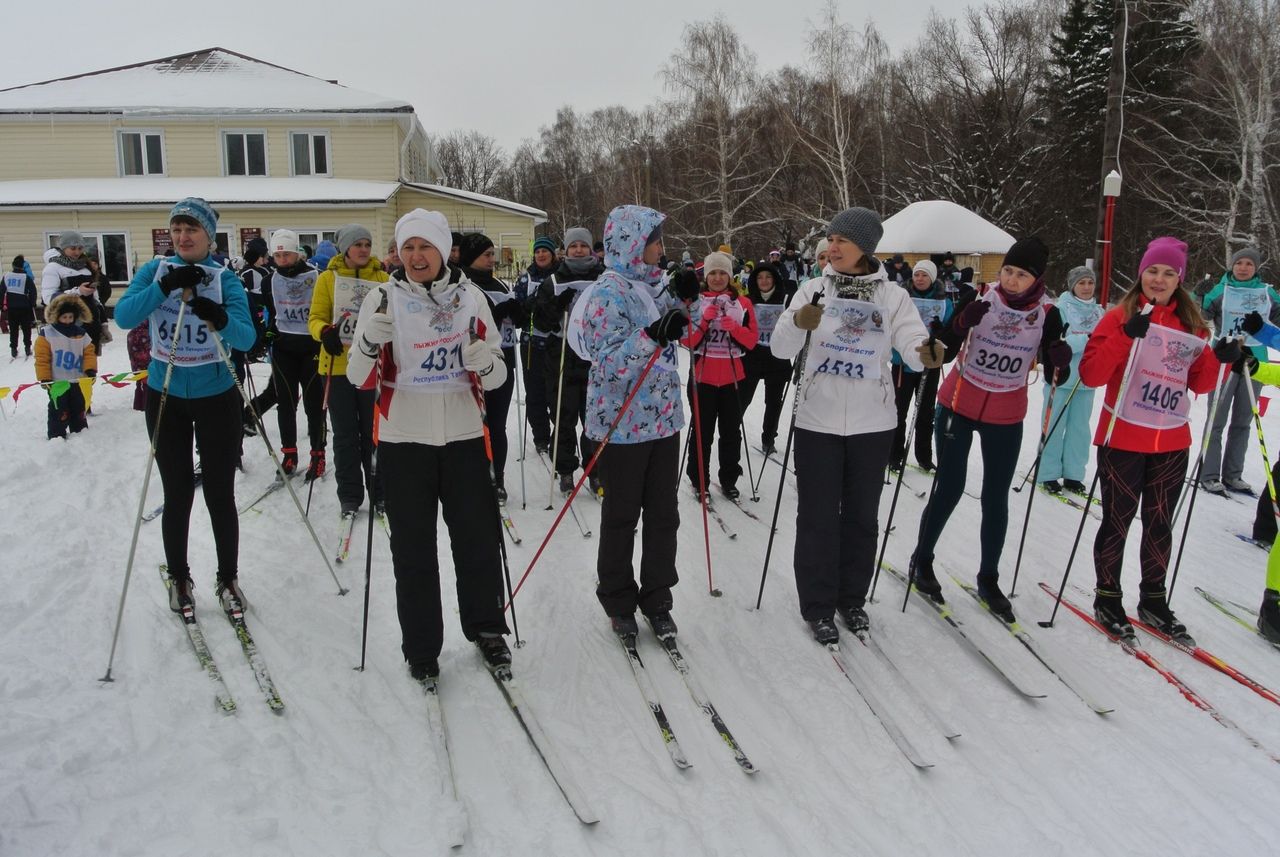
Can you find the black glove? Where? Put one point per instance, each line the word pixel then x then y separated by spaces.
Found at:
pixel 209 311
pixel 936 328
pixel 185 277
pixel 330 340
pixel 972 314
pixel 1228 350
pixel 685 285
pixel 545 317
pixel 1246 365
pixel 1252 323
pixel 1137 326
pixel 668 328
pixel 564 299
pixel 93 373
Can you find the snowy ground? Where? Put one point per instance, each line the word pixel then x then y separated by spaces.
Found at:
pixel 145 765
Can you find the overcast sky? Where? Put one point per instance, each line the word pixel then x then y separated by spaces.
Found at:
pixel 498 67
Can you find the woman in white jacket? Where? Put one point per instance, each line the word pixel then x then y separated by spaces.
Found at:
pixel 846 417
pixel 422 341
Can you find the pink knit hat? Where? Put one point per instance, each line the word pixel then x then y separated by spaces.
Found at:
pixel 1166 251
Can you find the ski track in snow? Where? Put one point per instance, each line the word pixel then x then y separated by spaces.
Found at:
pixel 145 765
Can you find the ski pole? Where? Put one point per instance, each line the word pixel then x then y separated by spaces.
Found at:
pixel 796 375
pixel 523 428
pixel 477 393
pixel 695 371
pixel 783 398
pixel 372 481
pixel 897 488
pixel 742 424
pixel 1195 488
pixel 555 439
pixel 324 427
pixel 1035 475
pixel 1204 439
pixel 146 481
pixel 226 359
pixel 1106 442
pixel 644 373
pixel 1044 438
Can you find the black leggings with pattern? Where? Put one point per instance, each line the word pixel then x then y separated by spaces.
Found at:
pixel 1129 478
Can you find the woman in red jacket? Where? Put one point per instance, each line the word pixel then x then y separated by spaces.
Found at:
pixel 725 331
pixel 1146 458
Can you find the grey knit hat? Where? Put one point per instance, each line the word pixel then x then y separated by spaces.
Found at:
pixel 577 233
pixel 70 238
pixel 1247 253
pixel 860 225
pixel 1075 275
pixel 350 234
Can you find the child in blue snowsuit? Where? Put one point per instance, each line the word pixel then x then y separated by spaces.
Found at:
pixel 1067 451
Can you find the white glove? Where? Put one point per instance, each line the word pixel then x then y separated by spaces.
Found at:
pixel 378 328
pixel 477 357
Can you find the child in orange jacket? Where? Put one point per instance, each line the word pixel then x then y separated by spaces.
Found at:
pixel 64 352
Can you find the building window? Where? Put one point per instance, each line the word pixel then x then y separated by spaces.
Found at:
pixel 313 238
pixel 245 153
pixel 141 153
pixel 310 152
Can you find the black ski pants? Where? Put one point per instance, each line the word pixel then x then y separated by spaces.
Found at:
pixel 497 404
pixel 537 406
pixel 420 481
pixel 1130 479
pixel 638 478
pixel 1000 445
pixel 1264 520
pixel 291 371
pixel 906 384
pixel 20 320
pixel 351 414
pixel 572 412
pixel 838 480
pixel 68 413
pixel 775 385
pixel 214 423
pixel 717 406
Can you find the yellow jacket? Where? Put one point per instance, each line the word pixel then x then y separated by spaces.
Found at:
pixel 322 304
pixel 44 357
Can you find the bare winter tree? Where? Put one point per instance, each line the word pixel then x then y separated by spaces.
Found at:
pixel 1216 175
pixel 720 181
pixel 470 161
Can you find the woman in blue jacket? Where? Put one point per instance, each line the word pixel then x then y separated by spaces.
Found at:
pixel 1066 453
pixel 202 398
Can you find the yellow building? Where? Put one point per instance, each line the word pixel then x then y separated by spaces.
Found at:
pixel 109 152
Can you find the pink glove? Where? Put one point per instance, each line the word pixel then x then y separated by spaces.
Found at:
pixel 729 324
pixel 710 312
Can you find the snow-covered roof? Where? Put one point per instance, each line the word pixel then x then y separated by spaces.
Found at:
pixel 938 226
pixel 211 81
pixel 537 214
pixel 224 190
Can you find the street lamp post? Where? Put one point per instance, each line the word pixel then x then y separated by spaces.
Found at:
pixel 1111 191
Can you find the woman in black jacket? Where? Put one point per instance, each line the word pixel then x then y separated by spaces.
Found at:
pixel 769 293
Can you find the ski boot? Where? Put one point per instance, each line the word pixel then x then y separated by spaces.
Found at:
pixel 989 591
pixel 731 491
pixel 1239 486
pixel 316 470
pixel 181 593
pixel 855 619
pixel 424 670
pixel 230 597
pixel 566 483
pixel 495 652
pixel 926 581
pixel 501 491
pixel 624 626
pixel 825 631
pixel 664 627
pixel 1053 486
pixel 1269 616
pixel 769 448
pixel 1075 486
pixel 248 424
pixel 289 459
pixel 1154 610
pixel 1108 609
pixel 593 482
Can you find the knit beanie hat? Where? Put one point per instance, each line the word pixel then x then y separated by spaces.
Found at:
pixel 718 261
pixel 928 267
pixel 577 233
pixel 198 210
pixel 472 247
pixel 1166 250
pixel 70 238
pixel 1030 254
pixel 725 248
pixel 1075 275
pixel 18 262
pixel 1247 253
pixel 776 252
pixel 823 246
pixel 431 226
pixel 859 225
pixel 543 243
pixel 284 241
pixel 350 234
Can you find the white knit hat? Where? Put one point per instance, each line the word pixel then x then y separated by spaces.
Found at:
pixel 928 267
pixel 428 225
pixel 717 261
pixel 284 241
